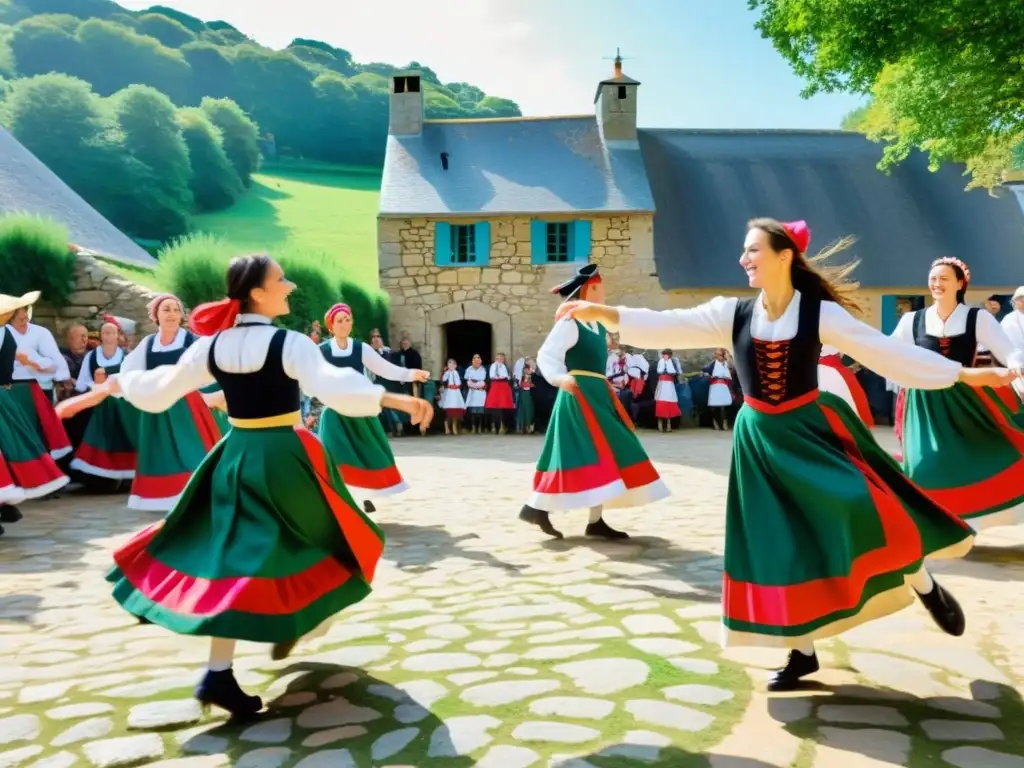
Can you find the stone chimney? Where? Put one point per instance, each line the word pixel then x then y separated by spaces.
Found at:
pixel 405 108
pixel 616 105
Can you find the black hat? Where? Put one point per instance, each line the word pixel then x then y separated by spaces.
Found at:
pixel 583 275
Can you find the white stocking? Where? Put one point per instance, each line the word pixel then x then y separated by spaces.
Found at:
pixel 222 653
pixel 922 581
pixel 595 513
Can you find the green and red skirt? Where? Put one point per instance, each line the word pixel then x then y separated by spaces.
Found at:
pixel 965 446
pixel 171 444
pixel 264 545
pixel 108 446
pixel 27 471
pixel 591 454
pixel 360 449
pixel 822 526
pixel 37 405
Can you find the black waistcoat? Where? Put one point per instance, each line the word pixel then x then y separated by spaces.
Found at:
pixel 260 394
pixel 777 371
pixel 166 356
pixel 962 348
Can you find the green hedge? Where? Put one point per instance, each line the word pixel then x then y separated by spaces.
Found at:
pixel 193 268
pixel 35 256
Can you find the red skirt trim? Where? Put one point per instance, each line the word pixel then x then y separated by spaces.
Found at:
pixel 860 398
pixel 115 461
pixel 54 435
pixel 202 415
pixel 499 396
pixel 159 486
pixel 30 474
pixel 763 406
pixel 796 604
pixel 666 409
pixel 370 479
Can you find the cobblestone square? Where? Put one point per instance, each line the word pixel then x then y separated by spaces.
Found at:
pixel 487 644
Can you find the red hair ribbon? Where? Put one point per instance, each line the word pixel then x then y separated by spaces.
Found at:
pixel 113 321
pixel 208 319
pixel 799 233
pixel 952 261
pixel 333 312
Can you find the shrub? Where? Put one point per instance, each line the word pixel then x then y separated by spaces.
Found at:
pixel 193 267
pixel 315 290
pixel 369 310
pixel 35 256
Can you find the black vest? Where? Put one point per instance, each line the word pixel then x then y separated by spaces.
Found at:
pixel 960 348
pixel 8 352
pixel 263 393
pixel 777 371
pixel 166 356
pixel 353 360
pixel 94 364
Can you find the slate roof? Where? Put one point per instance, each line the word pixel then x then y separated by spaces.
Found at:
pixel 28 186
pixel 512 166
pixel 708 183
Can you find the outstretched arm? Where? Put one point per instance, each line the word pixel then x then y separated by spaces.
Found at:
pixel 346 391
pixel 158 389
pixel 992 336
pixel 385 368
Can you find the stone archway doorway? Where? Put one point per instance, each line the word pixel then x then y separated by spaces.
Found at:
pixel 465 338
pixel 474 311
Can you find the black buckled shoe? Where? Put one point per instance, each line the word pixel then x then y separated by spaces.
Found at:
pixel 798 666
pixel 945 610
pixel 602 530
pixel 220 689
pixel 9 514
pixel 541 519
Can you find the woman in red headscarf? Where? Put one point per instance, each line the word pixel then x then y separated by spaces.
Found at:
pixel 823 530
pixel 265 544
pixel 358 444
pixel 964 445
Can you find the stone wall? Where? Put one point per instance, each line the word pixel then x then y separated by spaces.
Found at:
pixel 510 293
pixel 97 291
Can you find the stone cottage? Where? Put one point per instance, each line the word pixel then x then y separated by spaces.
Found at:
pixel 479 218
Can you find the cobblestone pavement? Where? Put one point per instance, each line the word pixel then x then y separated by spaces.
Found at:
pixel 486 644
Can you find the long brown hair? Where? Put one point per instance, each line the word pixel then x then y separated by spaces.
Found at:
pixel 809 274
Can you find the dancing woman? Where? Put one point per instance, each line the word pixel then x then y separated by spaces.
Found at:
pixel 963 445
pixel 27 471
pixel 358 445
pixel 265 544
pixel 108 451
pixel 173 441
pixel 823 530
pixel 591 455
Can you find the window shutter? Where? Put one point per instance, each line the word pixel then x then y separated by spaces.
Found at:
pixel 580 240
pixel 538 242
pixel 442 244
pixel 482 238
pixel 889 318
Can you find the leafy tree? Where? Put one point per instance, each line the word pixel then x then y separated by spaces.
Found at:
pixel 215 183
pixel 152 137
pixel 240 134
pixel 188 22
pixel 429 75
pixel 277 90
pixel 168 31
pixel 854 119
pixel 500 107
pixel 119 57
pixel 11 12
pixel 315 56
pixel 83 9
pixel 945 76
pixel 46 43
pixel 211 72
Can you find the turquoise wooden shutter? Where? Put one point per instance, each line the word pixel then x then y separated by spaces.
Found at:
pixel 442 244
pixel 538 242
pixel 580 240
pixel 889 319
pixel 482 243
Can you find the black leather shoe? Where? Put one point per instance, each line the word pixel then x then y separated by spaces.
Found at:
pixel 541 519
pixel 602 530
pixel 221 690
pixel 368 507
pixel 9 514
pixel 945 610
pixel 282 651
pixel 799 665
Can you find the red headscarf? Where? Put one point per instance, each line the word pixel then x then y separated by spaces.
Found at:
pixel 799 233
pixel 113 321
pixel 208 319
pixel 332 314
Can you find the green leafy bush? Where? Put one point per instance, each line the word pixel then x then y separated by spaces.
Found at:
pixel 193 267
pixel 35 256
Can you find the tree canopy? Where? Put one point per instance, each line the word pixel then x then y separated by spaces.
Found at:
pixel 945 76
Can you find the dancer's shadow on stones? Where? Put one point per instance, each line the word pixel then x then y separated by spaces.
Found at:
pixel 989 562
pixel 994 712
pixel 415 548
pixel 346 716
pixel 655 565
pixel 20 608
pixel 661 757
